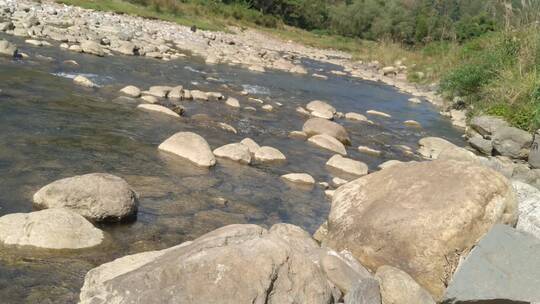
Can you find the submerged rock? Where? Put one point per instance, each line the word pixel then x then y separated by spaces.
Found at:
pixel 233 264
pixel 158 108
pixel 52 229
pixel 96 196
pixel 190 146
pixel 420 217
pixel 317 126
pixel 503 268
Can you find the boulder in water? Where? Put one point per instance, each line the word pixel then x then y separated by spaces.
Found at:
pixel 316 126
pixel 190 146
pixel 236 152
pixel 329 143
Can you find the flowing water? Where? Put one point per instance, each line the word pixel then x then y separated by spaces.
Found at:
pixel 51 129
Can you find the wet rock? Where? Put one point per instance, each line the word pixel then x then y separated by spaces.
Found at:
pixel 482 145
pixel 91 47
pixel 487 125
pixel 503 268
pixel 8 49
pixel 415 100
pixel 355 116
pixel 368 150
pixel 236 152
pixel 431 147
pixel 528 198
pixel 423 224
pixel 251 144
pixel 96 196
pixel 320 106
pixel 317 126
pixel 412 123
pixel 132 91
pixel 378 113
pixel 227 127
pixel 268 108
pixel 52 229
pixel 83 81
pixel 512 142
pixel 176 93
pixel 190 146
pixel 157 108
pixel 347 165
pixel 298 135
pixel 158 91
pixel 199 95
pixel 329 143
pixel 232 102
pixel 299 178
pixel 269 155
pixel 215 268
pixel 149 98
pixel 397 287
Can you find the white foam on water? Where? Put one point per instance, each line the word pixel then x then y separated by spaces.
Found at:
pixel 255 89
pixel 100 80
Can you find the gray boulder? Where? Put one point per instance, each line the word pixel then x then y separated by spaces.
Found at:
pixel 317 126
pixel 8 49
pixel 512 142
pixel 534 153
pixel 365 291
pixel 503 268
pixel 487 125
pixel 91 47
pixel 397 287
pixel 96 196
pixel 52 229
pixel 528 198
pixel 482 145
pixel 233 264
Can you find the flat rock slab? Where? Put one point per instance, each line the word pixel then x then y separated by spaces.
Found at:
pixel 503 268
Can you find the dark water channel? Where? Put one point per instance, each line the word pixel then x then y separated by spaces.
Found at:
pixel 51 129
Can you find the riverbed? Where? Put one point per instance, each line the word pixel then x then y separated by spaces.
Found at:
pixel 52 128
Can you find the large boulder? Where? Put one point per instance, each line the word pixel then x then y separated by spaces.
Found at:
pixel 397 287
pixel 190 146
pixel 316 126
pixel 52 229
pixel 503 268
pixel 487 125
pixel 91 47
pixel 431 147
pixel 512 142
pixel 96 196
pixel 528 198
pixel 419 217
pixel 234 264
pixel 8 49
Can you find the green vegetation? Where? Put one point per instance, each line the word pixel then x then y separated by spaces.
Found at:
pixel 484 51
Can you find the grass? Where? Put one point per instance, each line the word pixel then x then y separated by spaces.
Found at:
pixel 495 74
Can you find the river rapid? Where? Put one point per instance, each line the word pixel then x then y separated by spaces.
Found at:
pixel 51 128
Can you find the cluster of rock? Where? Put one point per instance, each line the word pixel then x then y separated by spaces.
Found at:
pixel 70 206
pixel 103 34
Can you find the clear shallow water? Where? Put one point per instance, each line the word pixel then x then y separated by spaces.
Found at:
pixel 51 129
